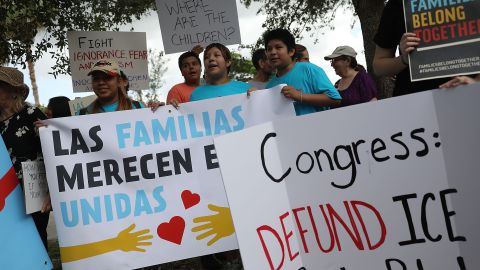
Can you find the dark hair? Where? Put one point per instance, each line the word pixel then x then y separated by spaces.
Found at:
pixel 125 78
pixel 281 34
pixel 185 55
pixel 59 106
pixel 257 56
pixel 299 49
pixel 224 50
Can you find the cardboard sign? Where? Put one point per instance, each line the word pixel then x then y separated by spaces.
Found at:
pixel 187 23
pixel 391 190
pixel 20 245
pixel 136 188
pixel 450 37
pixel 35 185
pixel 79 103
pixel 129 49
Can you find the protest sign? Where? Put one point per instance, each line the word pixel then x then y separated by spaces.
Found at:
pixel 136 188
pixel 20 244
pixel 35 186
pixel 395 188
pixel 450 37
pixel 129 49
pixel 187 23
pixel 79 103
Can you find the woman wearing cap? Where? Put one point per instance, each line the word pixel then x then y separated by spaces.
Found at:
pixel 108 85
pixel 355 85
pixel 19 132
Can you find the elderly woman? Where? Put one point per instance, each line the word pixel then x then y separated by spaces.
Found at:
pixel 355 85
pixel 19 133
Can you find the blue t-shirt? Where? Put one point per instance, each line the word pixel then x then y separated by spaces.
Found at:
pixel 111 107
pixel 310 79
pixel 213 91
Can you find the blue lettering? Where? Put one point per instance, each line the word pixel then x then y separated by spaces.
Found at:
pixel 238 118
pixel 121 136
pixel 221 122
pixel 122 212
pixel 158 130
pixel 206 123
pixel 108 208
pixel 87 211
pixel 142 204
pixel 193 127
pixel 162 204
pixel 182 127
pixel 74 221
pixel 141 134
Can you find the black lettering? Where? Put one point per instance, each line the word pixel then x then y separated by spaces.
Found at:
pixel 407 152
pixel 355 149
pixel 408 215
pixel 424 218
pixel 144 167
pixel 211 157
pixel 111 171
pixel 448 214
pixel 180 161
pixel 77 176
pixel 128 169
pixel 78 143
pixel 378 149
pixel 461 263
pixel 57 144
pixel 91 174
pixel 414 136
pixel 94 136
pixel 351 163
pixel 389 265
pixel 330 161
pixel 298 163
pixel 262 155
pixel 162 164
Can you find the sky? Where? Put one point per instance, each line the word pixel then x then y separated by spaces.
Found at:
pixel 250 29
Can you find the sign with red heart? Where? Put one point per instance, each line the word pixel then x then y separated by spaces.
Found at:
pixel 189 199
pixel 173 230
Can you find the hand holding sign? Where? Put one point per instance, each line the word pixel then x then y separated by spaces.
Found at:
pixel 220 225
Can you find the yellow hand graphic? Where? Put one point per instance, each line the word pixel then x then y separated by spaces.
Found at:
pixel 124 241
pixel 127 241
pixel 220 225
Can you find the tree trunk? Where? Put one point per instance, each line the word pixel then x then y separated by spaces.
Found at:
pixel 369 12
pixel 31 70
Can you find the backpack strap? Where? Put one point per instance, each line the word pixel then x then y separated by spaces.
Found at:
pixel 136 104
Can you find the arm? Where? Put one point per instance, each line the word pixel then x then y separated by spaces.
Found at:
pixel 386 64
pixel 311 99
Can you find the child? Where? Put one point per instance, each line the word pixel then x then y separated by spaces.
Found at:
pixel 307 84
pixel 217 61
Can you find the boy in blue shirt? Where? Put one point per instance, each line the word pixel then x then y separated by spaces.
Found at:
pixel 307 84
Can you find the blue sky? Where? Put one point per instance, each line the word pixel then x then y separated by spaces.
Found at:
pixel 250 27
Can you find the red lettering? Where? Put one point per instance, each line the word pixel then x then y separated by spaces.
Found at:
pixel 264 245
pixel 300 228
pixel 355 236
pixel 364 228
pixel 315 231
pixel 287 237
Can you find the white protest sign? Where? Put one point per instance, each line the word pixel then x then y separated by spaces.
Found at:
pixel 35 185
pixel 396 187
pixel 136 188
pixel 79 103
pixel 187 23
pixel 129 49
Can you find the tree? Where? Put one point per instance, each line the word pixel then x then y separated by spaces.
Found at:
pixel 21 20
pixel 300 16
pixel 242 69
pixel 157 66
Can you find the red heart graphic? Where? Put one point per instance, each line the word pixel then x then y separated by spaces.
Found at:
pixel 172 231
pixel 189 199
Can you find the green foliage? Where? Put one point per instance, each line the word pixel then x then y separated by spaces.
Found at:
pixel 21 20
pixel 242 69
pixel 157 66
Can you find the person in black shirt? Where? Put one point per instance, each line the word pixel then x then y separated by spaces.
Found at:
pixel 19 133
pixel 390 35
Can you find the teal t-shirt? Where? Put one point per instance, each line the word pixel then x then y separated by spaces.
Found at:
pixel 213 91
pixel 113 107
pixel 310 79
